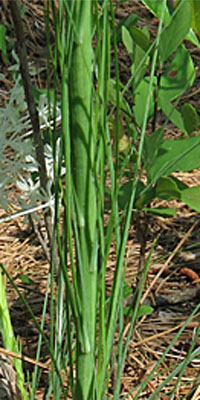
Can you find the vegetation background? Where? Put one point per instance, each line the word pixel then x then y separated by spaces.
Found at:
pixel 99 176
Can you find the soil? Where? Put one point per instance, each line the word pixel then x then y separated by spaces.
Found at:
pixel 175 264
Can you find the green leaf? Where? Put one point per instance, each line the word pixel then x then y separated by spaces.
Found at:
pixel 175 32
pixel 127 41
pixel 139 56
pixel 152 144
pixel 167 189
pixel 126 22
pixel 144 309
pixel 141 94
pixel 191 197
pixel 181 185
pixel 127 290
pixel 155 6
pixel 195 6
pixel 161 211
pixel 25 279
pixel 176 155
pixel 192 38
pixel 126 191
pixel 171 113
pixel 140 38
pixel 178 76
pixel 190 118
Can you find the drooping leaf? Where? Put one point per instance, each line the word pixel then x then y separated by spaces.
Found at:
pixel 176 155
pixel 191 197
pixel 167 189
pixel 175 32
pixel 190 118
pixel 178 76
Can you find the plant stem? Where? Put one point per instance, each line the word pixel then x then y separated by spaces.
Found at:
pixel 82 162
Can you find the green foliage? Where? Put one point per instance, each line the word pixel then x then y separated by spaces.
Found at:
pixel 195 6
pixel 155 6
pixel 191 197
pixel 104 137
pixel 190 118
pixel 175 31
pixel 176 73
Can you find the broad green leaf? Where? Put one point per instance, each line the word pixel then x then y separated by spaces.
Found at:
pixel 191 197
pixel 127 41
pixel 152 144
pixel 126 191
pixel 174 33
pixel 178 76
pixel 161 211
pixel 155 6
pixel 141 94
pixel 167 189
pixel 171 113
pixel 128 21
pixel 195 6
pixel 144 309
pixel 190 118
pixel 181 185
pixel 140 38
pixel 176 155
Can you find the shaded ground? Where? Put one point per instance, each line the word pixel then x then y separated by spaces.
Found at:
pixel 177 249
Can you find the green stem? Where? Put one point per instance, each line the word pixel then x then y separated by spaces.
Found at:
pixel 82 160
